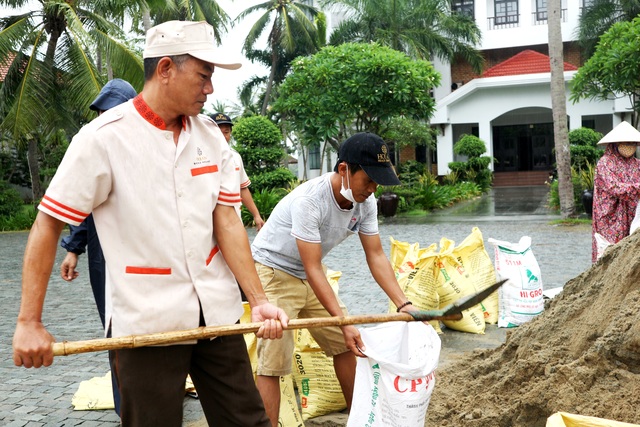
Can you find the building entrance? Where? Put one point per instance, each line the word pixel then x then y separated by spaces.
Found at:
pixel 523 147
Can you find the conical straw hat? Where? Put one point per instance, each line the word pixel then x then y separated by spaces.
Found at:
pixel 624 132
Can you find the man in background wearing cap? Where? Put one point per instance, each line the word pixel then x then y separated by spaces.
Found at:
pixel 161 183
pixel 85 236
pixel 303 227
pixel 616 186
pixel 225 124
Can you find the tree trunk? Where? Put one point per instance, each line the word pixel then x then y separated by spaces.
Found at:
pixel 146 20
pixel 559 110
pixel 272 76
pixel 34 169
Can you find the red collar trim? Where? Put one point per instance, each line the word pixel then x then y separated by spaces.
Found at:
pixel 149 115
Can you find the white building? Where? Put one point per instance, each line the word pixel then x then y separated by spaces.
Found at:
pixel 509 105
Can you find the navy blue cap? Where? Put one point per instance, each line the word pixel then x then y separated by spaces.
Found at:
pixel 221 119
pixel 115 92
pixel 372 154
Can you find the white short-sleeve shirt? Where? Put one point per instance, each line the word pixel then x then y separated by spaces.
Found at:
pixel 152 201
pixel 312 214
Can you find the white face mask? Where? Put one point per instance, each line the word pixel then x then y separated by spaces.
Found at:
pixel 346 192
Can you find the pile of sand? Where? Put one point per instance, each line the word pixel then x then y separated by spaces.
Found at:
pixel 582 355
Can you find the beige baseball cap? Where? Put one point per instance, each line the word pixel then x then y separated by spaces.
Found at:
pixel 185 37
pixel 624 132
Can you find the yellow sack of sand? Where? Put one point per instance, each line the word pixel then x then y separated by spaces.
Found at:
pixel 563 419
pixel 463 270
pixel 416 273
pixel 289 412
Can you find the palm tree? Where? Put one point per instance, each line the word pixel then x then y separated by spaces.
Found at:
pixel 420 28
pixel 598 16
pixel 292 33
pixel 52 73
pixel 559 111
pixel 190 10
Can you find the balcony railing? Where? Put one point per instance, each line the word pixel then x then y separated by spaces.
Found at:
pixel 505 21
pixel 540 17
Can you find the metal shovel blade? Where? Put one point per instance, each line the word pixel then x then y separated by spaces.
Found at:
pixel 454 311
pixel 469 301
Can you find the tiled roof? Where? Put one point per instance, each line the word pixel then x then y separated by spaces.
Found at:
pixel 525 62
pixel 4 65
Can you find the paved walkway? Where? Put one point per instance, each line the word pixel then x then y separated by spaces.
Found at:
pixel 42 397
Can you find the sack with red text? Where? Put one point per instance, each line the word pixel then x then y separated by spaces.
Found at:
pixel 520 298
pixel 395 381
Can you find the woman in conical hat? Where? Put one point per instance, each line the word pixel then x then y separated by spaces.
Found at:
pixel 616 185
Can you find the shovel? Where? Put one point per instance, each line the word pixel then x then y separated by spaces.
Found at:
pixel 451 312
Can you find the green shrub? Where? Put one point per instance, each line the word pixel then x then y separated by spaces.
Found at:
pixel 274 179
pixel 583 147
pixel 21 220
pixel 10 200
pixel 430 195
pixel 265 200
pixel 553 200
pixel 476 168
pixel 410 172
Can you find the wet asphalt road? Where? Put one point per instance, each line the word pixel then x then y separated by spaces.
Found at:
pixel 43 397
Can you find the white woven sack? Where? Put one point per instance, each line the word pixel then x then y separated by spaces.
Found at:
pixel 520 299
pixel 395 381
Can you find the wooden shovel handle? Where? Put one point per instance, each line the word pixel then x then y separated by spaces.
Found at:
pixel 65 348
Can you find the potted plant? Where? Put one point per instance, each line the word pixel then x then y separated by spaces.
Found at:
pixel 587 175
pixel 388 201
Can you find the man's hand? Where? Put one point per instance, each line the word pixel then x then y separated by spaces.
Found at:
pixel 274 320
pixel 32 345
pixel 353 340
pixel 68 268
pixel 258 221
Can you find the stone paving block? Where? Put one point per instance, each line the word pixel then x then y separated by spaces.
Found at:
pixel 75 415
pixel 7 407
pixel 110 416
pixel 45 408
pixel 22 409
pixel 35 417
pixel 31 402
pixel 19 394
pixel 91 415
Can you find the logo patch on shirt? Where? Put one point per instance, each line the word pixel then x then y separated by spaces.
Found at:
pixel 353 224
pixel 200 158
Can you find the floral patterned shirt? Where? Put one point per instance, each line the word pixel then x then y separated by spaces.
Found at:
pixel 615 196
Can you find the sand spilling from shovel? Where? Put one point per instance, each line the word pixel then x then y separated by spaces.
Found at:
pixel 582 355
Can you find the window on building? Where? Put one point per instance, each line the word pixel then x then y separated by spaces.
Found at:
pixel 463 7
pixel 541 10
pixel 506 12
pixel 314 158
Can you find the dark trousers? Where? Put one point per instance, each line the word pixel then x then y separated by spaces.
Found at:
pixel 152 384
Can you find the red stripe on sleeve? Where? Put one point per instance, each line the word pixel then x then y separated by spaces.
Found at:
pixel 147 270
pixel 61 213
pixel 65 207
pixel 229 197
pixel 204 169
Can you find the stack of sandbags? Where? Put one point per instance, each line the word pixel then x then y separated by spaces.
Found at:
pixel 433 279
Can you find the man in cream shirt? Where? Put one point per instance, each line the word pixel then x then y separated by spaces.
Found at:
pixel 161 184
